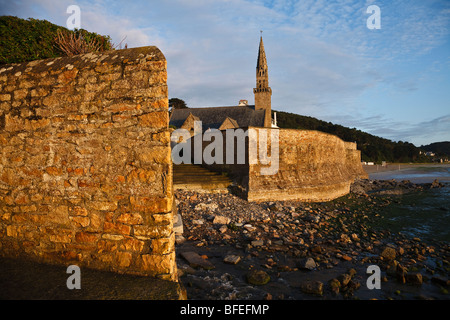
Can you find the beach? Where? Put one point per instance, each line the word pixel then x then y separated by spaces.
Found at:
pixel 310 251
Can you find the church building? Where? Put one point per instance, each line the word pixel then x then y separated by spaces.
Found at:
pixel 240 116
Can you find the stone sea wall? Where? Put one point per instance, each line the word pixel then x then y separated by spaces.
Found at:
pixel 313 166
pixel 85 170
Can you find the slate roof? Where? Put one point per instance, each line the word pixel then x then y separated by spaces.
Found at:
pixel 213 118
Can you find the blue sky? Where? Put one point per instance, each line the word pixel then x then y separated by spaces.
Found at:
pixel 324 62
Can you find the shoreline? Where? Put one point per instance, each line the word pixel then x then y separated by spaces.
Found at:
pixel 307 250
pixel 393 167
pixel 417 173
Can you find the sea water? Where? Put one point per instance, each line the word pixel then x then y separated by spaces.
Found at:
pixel 423 214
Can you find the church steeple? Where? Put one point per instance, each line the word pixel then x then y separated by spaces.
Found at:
pixel 261 67
pixel 262 91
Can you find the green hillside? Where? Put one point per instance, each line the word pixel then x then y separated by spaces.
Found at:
pixel 440 148
pixel 372 148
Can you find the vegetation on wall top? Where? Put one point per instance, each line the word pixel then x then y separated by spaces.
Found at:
pixel 32 39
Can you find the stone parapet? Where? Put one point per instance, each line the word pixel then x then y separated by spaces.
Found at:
pixel 86 171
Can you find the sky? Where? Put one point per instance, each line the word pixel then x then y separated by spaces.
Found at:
pixel 324 58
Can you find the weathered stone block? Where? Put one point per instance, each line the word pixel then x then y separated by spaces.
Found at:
pixel 80 221
pixel 151 204
pixel 86 237
pixel 158 264
pixel 130 218
pixel 163 245
pixel 59 215
pixel 103 205
pixel 131 244
pixel 123 259
pixel 155 154
pixel 119 228
pixel 158 119
pixel 145 232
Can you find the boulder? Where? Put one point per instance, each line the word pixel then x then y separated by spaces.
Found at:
pixel 258 277
pixel 335 285
pixel 221 220
pixel 414 278
pixel 344 279
pixel 388 253
pixel 178 225
pixel 312 287
pixel 196 261
pixel 232 259
pixel 308 264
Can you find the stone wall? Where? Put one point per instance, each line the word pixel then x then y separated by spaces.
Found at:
pixel 85 171
pixel 313 166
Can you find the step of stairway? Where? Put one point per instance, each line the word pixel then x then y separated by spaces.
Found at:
pixel 197 178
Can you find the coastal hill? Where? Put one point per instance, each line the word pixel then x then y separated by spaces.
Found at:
pixel 440 148
pixel 372 148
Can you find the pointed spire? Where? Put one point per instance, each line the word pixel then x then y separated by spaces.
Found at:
pixel 262 74
pixel 262 91
pixel 262 62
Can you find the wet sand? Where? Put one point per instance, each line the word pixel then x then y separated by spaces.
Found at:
pixel 416 173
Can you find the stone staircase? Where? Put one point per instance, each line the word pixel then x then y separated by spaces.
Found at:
pixel 196 178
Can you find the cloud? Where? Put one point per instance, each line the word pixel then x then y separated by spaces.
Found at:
pixel 418 133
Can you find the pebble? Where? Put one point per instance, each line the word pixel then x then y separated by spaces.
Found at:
pixel 257 243
pixel 249 227
pixel 232 259
pixel 346 257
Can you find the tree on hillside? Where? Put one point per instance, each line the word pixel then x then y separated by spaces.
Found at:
pixel 441 148
pixel 372 148
pixel 176 103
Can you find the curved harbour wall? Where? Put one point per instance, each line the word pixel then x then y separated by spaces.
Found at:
pixel 313 166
